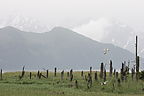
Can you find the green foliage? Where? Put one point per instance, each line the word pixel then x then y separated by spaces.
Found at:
pixel 54 86
pixel 142 75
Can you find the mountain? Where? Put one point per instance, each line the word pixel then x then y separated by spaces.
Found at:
pixel 60 47
pixel 112 31
pixel 103 30
pixel 24 23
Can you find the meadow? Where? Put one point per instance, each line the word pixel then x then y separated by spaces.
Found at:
pixel 12 85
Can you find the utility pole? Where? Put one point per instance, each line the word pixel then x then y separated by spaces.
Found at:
pixel 136 49
pixel 137 61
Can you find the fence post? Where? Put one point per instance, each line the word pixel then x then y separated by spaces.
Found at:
pixel 104 75
pixel 1 74
pixel 47 73
pixel 137 68
pixel 30 75
pixel 89 81
pixel 96 78
pixel 116 75
pixel 62 75
pixel 101 70
pixel 76 84
pixel 111 68
pixel 38 74
pixel 23 72
pixel 67 74
pixel 55 71
pixel 81 73
pixel 90 70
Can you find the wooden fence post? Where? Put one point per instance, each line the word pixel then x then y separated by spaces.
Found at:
pixel 122 72
pixel 119 82
pixel 116 75
pixel 101 70
pixel 137 68
pixel 111 68
pixel 81 73
pixel 96 77
pixel 90 70
pixel 76 84
pixel 38 74
pixel 89 81
pixel 1 75
pixel 104 75
pixel 23 72
pixel 71 77
pixel 55 71
pixel 30 75
pixel 132 73
pixel 62 75
pixel 71 72
pixel 67 74
pixel 47 73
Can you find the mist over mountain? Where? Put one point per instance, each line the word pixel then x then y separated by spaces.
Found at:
pixel 112 31
pixel 24 23
pixel 59 47
pixel 103 30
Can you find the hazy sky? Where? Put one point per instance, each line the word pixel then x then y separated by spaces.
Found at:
pixel 71 13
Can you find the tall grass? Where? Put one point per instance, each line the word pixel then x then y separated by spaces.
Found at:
pixel 11 85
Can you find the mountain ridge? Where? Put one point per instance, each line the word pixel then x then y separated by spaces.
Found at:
pixel 59 47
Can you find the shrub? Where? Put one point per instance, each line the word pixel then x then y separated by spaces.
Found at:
pixel 142 75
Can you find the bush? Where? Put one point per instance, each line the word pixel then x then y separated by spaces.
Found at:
pixel 142 75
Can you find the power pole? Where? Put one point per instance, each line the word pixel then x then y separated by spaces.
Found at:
pixel 137 60
pixel 136 47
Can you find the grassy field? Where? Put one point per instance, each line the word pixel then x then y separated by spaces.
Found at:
pixel 54 86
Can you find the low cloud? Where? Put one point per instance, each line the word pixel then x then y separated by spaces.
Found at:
pixel 94 29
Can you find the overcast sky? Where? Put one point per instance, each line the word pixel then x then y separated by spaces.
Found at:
pixel 72 13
